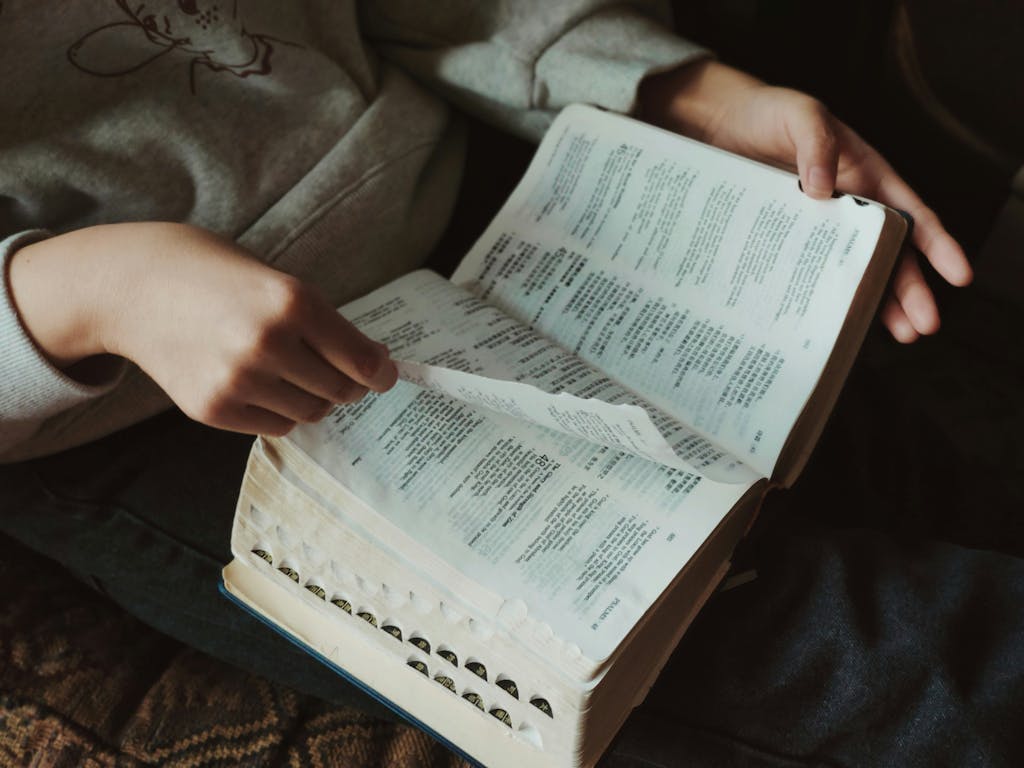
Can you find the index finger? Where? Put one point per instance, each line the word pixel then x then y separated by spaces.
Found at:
pixel 931 238
pixel 346 348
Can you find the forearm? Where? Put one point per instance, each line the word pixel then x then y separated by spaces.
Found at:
pixel 41 380
pixel 689 99
pixel 64 288
pixel 517 64
pixel 236 344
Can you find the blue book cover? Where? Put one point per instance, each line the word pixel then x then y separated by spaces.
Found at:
pixel 350 678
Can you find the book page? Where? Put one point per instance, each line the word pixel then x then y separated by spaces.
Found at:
pixel 707 283
pixel 625 427
pixel 585 535
pixel 453 343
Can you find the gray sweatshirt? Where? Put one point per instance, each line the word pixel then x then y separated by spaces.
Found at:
pixel 318 134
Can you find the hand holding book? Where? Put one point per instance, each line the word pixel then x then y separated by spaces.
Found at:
pixel 727 108
pixel 236 344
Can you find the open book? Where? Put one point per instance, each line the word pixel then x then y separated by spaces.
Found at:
pixel 508 545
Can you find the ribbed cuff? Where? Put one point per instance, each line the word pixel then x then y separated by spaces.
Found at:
pixel 31 387
pixel 603 59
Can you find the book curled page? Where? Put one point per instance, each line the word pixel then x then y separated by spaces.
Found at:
pixel 457 345
pixel 626 427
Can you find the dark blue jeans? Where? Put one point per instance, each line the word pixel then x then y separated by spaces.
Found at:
pixel 886 625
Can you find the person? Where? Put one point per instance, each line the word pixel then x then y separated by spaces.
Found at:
pixel 251 147
pixel 189 189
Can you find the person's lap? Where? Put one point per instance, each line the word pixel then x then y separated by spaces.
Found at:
pixel 145 516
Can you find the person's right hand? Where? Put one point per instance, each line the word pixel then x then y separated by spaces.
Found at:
pixel 236 344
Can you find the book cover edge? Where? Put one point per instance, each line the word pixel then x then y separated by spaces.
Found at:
pixel 349 677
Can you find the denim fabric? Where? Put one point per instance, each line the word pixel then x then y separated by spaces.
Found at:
pixel 849 649
pixel 885 627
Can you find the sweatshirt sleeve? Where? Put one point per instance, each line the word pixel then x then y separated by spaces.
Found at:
pixel 32 389
pixel 517 64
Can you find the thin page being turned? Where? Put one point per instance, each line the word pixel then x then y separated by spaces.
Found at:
pixel 624 426
pixel 451 342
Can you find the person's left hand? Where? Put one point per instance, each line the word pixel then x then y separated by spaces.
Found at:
pixel 722 106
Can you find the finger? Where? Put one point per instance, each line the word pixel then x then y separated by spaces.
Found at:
pixel 915 297
pixel 286 399
pixel 343 346
pixel 930 237
pixel 304 368
pixel 817 148
pixel 895 319
pixel 251 420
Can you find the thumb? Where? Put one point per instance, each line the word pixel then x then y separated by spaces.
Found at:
pixel 810 128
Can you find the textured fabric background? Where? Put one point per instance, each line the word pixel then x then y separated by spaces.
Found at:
pixel 82 683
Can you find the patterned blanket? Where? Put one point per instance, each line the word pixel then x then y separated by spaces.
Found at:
pixel 82 683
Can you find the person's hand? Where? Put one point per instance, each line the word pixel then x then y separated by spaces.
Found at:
pixel 722 106
pixel 236 344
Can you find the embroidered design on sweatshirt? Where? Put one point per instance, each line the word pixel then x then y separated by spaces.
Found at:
pixel 210 38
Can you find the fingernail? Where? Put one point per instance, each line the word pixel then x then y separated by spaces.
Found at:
pixel 906 333
pixel 819 182
pixel 966 276
pixel 384 373
pixel 390 379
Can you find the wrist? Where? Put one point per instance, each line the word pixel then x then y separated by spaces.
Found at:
pixel 51 291
pixel 133 257
pixel 692 99
pixel 72 292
